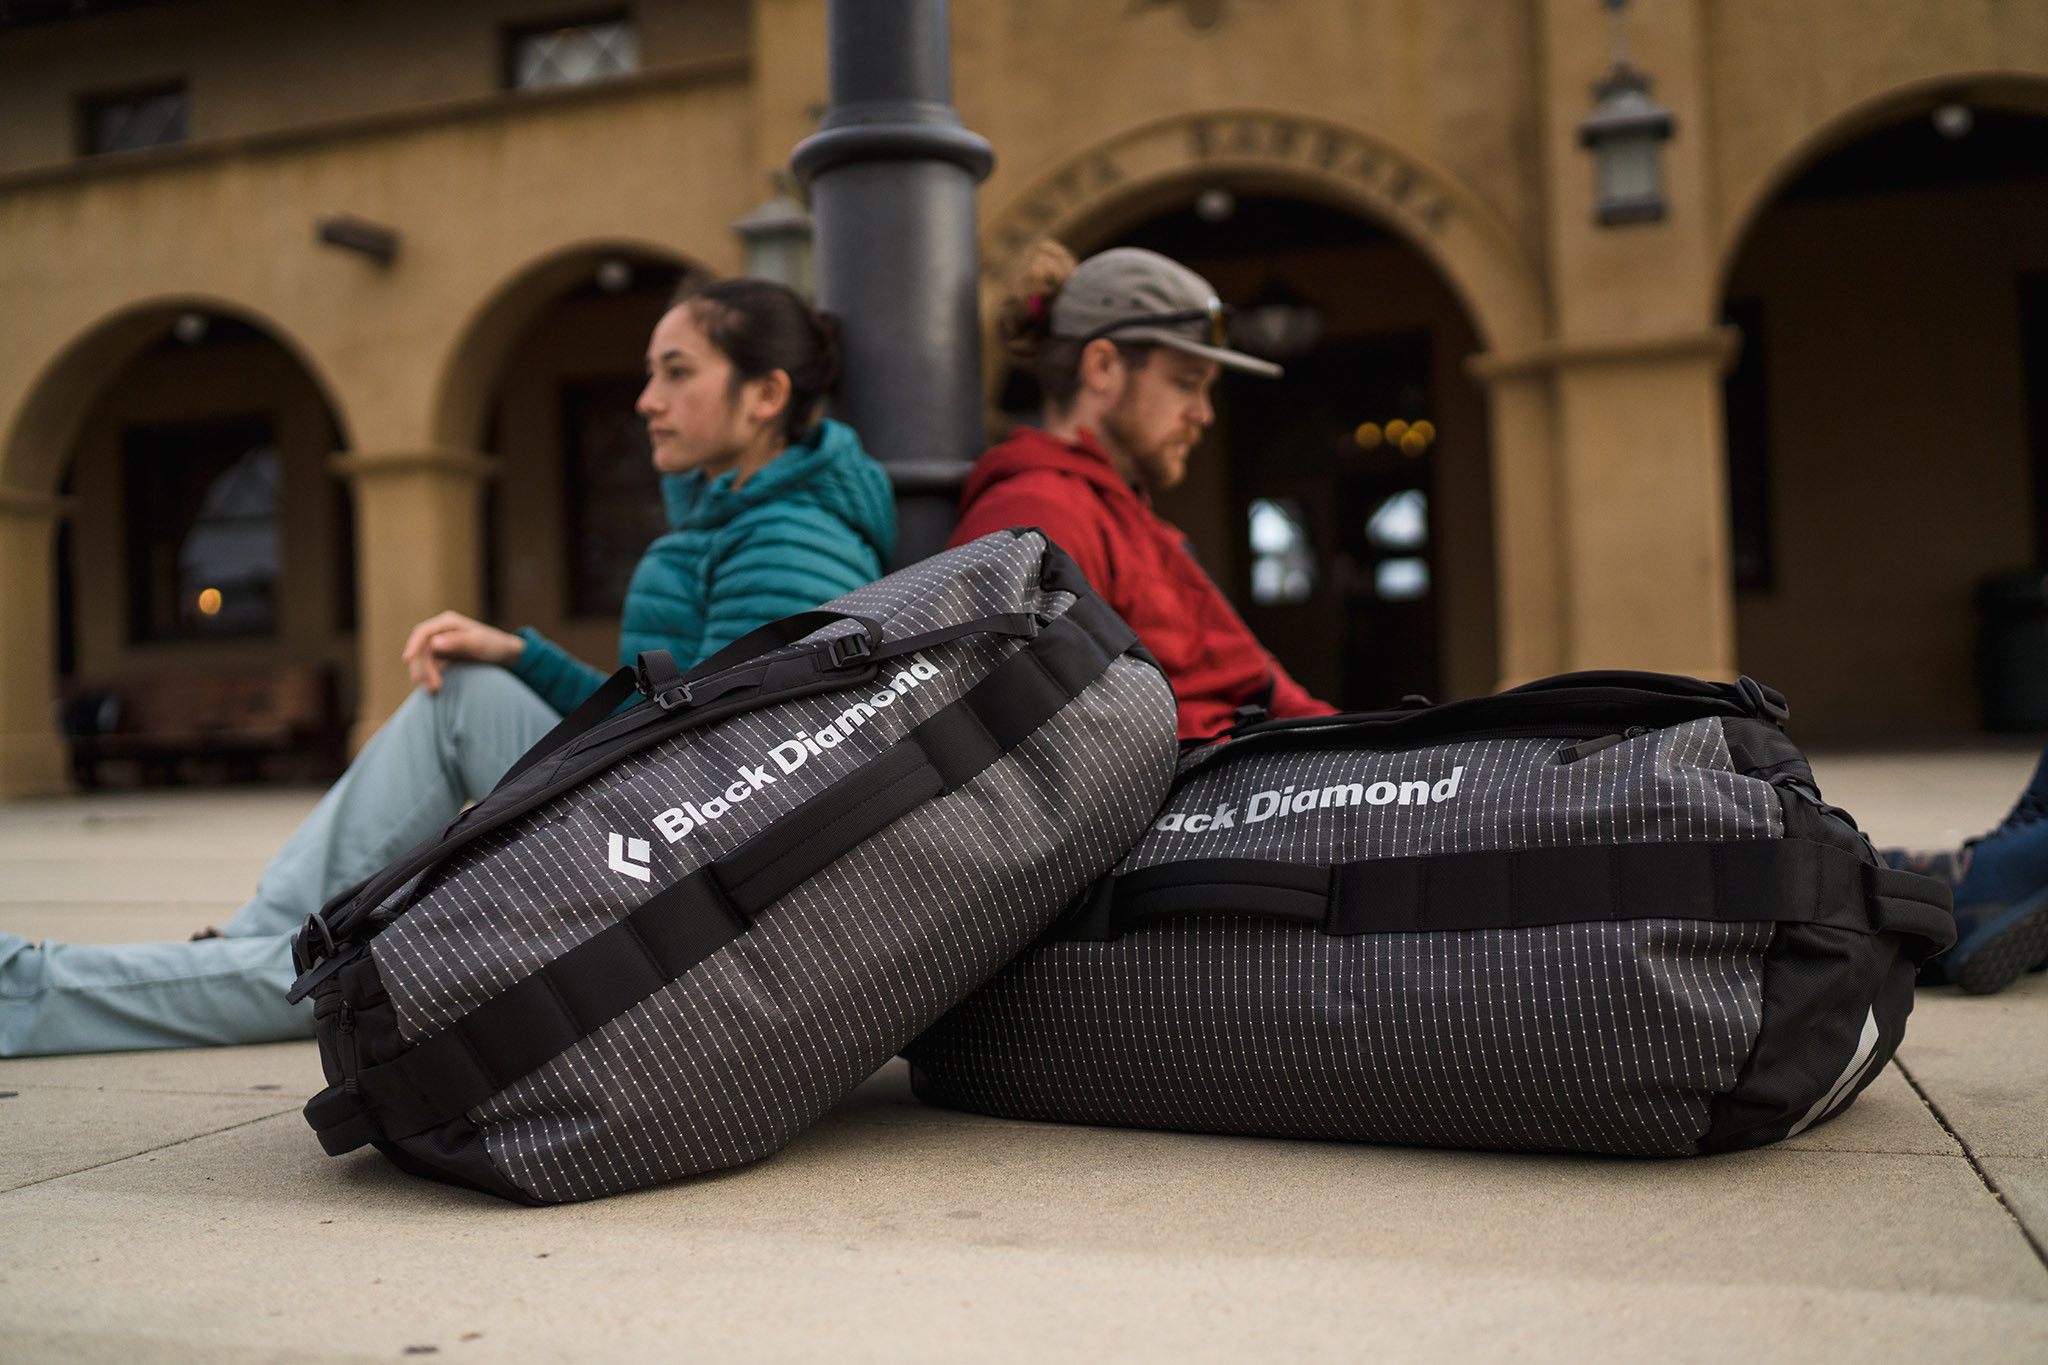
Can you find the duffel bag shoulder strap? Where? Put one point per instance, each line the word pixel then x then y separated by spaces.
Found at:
pixel 535 1019
pixel 655 674
pixel 1788 880
pixel 847 659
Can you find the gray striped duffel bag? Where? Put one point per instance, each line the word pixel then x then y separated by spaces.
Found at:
pixel 676 934
pixel 1604 912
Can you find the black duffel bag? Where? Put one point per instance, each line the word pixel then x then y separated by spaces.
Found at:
pixel 675 935
pixel 1604 912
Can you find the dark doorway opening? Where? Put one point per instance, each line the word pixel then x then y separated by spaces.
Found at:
pixel 1345 509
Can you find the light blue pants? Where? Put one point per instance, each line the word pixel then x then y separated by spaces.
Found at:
pixel 436 754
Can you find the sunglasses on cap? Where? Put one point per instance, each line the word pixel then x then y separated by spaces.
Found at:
pixel 1215 313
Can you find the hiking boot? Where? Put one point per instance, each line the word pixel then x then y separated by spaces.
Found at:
pixel 2002 898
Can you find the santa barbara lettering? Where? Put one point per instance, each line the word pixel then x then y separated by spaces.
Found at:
pixel 1267 805
pixel 790 755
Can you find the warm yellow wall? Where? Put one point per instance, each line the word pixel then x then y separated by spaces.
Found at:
pixel 179 384
pixel 1898 448
pixel 1450 80
pixel 249 73
pixel 1789 80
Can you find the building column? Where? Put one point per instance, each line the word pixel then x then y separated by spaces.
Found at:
pixel 419 550
pixel 32 755
pixel 1530 585
pixel 1612 507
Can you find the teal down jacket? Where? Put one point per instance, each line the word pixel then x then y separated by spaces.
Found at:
pixel 817 521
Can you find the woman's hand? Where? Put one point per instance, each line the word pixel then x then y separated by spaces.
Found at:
pixel 451 637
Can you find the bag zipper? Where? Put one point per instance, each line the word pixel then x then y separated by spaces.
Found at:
pixel 1585 748
pixel 345 1047
pixel 345 1057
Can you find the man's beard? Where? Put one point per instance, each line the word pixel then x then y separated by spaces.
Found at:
pixel 1157 470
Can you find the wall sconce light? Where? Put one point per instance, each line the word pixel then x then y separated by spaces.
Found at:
pixel 1625 132
pixel 350 233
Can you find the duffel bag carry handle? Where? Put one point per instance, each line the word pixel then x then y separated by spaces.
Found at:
pixel 1919 909
pixel 1736 880
pixel 1621 696
pixel 1212 886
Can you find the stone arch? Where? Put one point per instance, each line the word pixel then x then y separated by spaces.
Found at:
pixel 1133 173
pixel 37 441
pixel 1136 174
pixel 36 445
pixel 1887 283
pixel 2024 91
pixel 487 336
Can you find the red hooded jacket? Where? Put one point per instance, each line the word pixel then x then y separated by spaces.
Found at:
pixel 1141 565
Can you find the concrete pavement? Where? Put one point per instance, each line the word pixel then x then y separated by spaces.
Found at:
pixel 173 1205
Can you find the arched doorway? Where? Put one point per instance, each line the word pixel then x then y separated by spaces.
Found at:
pixel 576 499
pixel 1887 416
pixel 206 547
pixel 1346 508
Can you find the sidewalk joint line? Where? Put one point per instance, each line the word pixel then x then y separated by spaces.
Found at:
pixel 130 1156
pixel 2040 1252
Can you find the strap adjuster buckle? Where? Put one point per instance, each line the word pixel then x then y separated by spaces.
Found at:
pixel 842 650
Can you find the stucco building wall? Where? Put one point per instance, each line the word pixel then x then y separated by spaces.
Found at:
pixel 1592 363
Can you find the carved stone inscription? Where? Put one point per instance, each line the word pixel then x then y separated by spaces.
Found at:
pixel 1399 187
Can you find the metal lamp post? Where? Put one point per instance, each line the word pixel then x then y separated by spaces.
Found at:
pixel 890 175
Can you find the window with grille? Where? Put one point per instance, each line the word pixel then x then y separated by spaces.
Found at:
pixel 575 53
pixel 132 120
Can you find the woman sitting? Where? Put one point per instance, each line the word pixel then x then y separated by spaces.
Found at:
pixel 772 511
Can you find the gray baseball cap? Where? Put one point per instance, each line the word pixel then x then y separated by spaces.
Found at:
pixel 1130 294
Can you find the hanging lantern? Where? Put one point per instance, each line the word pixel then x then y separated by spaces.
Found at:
pixel 777 239
pixel 1626 132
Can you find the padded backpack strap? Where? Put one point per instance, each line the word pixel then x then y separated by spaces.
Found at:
pixel 536 1019
pixel 1785 880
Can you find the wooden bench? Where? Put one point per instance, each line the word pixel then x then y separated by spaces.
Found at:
pixel 230 719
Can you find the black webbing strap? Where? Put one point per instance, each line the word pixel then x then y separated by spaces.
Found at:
pixel 655 674
pixel 593 710
pixel 1793 880
pixel 657 671
pixel 1013 623
pixel 533 1021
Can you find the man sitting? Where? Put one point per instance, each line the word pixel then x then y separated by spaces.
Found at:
pixel 1125 347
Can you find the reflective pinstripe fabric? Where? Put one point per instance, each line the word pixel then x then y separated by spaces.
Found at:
pixel 730 1062
pixel 1610 1037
